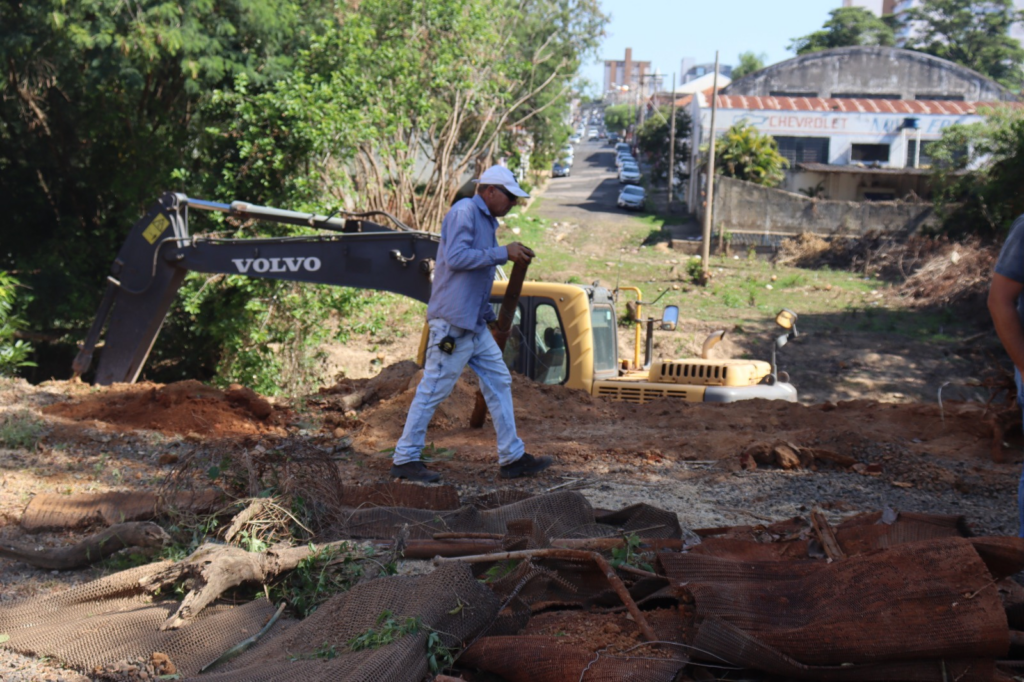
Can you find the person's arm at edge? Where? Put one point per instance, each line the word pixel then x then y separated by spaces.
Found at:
pixel 1002 305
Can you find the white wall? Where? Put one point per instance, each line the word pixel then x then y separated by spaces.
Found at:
pixel 844 129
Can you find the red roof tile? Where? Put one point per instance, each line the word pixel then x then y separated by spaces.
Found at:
pixel 884 106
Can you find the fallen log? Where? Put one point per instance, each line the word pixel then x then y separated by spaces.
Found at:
pixel 217 568
pixel 90 550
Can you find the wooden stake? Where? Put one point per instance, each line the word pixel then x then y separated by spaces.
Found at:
pixel 826 536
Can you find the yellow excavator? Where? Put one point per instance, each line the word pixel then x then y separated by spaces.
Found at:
pixel 563 334
pixel 567 334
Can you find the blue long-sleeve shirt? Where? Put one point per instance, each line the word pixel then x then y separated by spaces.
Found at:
pixel 464 272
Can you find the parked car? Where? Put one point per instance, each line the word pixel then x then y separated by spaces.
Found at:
pixel 622 147
pixel 623 159
pixel 613 138
pixel 632 196
pixel 575 139
pixel 560 171
pixel 630 172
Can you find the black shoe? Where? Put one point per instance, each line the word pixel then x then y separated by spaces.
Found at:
pixel 415 471
pixel 527 465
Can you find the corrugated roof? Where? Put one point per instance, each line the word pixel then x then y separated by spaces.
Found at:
pixel 873 106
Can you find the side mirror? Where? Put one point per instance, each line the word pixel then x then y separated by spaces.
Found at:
pixel 670 318
pixel 786 319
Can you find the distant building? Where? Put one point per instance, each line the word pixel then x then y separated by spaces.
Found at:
pixel 878 7
pixel 691 71
pixel 854 122
pixel 622 78
pixel 870 72
pixel 849 149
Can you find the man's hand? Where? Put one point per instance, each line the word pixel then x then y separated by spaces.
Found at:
pixel 517 253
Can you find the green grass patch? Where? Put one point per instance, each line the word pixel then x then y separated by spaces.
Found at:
pixel 20 430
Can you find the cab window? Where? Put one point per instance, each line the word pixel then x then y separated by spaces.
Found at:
pixel 602 319
pixel 513 353
pixel 552 365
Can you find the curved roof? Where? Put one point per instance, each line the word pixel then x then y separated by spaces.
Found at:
pixel 870 72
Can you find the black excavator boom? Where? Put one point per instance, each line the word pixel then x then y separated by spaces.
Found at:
pixel 159 252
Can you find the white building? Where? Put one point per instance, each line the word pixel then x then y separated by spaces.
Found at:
pixel 851 149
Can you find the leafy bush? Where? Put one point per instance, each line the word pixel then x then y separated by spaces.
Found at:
pixel 654 139
pixel 988 198
pixel 745 154
pixel 618 117
pixel 14 352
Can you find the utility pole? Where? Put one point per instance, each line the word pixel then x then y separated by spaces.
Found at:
pixel 672 143
pixel 705 243
pixel 917 149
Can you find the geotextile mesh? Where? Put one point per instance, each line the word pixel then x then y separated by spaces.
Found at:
pixel 918 601
pixel 109 620
pixel 52 511
pixel 545 659
pixel 722 643
pixel 794 538
pixel 448 601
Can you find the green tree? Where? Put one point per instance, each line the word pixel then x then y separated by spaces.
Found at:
pixel 749 62
pixel 553 38
pixel 618 117
pixel 846 26
pixel 973 33
pixel 304 104
pixel 745 154
pixel 654 140
pixel 14 352
pixel 986 198
pixel 100 102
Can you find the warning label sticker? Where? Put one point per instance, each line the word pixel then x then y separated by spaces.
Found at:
pixel 156 228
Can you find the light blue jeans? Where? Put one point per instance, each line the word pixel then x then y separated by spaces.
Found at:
pixel 441 371
pixel 1020 486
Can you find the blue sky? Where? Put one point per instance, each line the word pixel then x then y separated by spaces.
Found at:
pixel 665 31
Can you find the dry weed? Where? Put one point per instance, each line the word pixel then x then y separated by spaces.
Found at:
pixel 927 271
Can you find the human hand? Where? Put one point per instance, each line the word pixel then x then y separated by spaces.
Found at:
pixel 517 253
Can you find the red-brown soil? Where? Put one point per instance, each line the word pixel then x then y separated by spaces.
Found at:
pixel 578 429
pixel 180 408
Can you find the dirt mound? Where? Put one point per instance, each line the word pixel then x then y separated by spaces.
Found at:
pixel 180 408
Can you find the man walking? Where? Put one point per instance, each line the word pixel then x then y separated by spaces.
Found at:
pixel 1007 309
pixel 458 315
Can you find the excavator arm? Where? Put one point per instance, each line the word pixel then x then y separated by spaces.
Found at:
pixel 159 252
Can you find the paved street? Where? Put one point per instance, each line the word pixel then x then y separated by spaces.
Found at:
pixel 590 193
